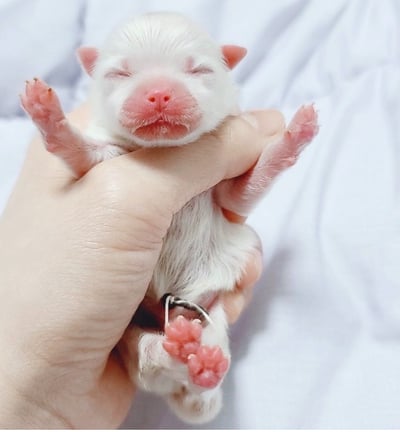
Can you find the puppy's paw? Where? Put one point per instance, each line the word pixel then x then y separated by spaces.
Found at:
pixel 182 338
pixel 207 366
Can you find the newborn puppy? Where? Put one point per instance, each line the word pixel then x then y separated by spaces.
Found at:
pixel 159 80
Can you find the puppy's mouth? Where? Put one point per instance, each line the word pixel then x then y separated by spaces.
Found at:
pixel 160 128
pixel 163 129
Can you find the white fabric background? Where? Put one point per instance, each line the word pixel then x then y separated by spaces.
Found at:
pixel 319 347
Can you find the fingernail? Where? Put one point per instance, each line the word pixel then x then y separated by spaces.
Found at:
pixel 268 122
pixel 251 119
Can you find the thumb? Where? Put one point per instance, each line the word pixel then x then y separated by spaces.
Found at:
pixel 174 175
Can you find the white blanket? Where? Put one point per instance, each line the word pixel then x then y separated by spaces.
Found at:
pixel 319 347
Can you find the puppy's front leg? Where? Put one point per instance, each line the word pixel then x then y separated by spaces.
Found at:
pixel 242 194
pixel 79 152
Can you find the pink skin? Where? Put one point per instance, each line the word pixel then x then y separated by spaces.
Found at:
pixel 207 365
pixel 88 57
pixel 241 194
pixel 160 108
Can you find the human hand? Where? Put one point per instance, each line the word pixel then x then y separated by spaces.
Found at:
pixel 78 259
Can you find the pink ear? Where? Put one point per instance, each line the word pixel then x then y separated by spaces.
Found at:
pixel 233 54
pixel 87 57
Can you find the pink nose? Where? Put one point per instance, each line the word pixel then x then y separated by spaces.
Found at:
pixel 159 99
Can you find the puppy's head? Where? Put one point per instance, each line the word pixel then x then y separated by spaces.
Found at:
pixel 159 80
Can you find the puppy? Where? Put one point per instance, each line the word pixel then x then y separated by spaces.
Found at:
pixel 159 80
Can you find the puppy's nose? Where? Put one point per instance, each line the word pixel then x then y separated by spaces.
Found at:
pixel 159 99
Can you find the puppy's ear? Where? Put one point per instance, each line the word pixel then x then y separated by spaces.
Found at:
pixel 87 57
pixel 233 54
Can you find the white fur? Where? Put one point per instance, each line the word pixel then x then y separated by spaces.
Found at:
pixel 202 250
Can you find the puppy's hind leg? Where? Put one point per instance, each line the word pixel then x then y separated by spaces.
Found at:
pixel 204 350
pixel 193 407
pixel 147 362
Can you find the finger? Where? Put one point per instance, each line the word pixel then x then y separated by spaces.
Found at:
pixel 236 301
pixel 174 175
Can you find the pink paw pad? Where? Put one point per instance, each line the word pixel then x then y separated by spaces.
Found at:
pixel 41 103
pixel 182 338
pixel 304 125
pixel 207 366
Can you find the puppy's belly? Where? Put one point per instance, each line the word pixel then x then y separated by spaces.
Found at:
pixel 202 251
